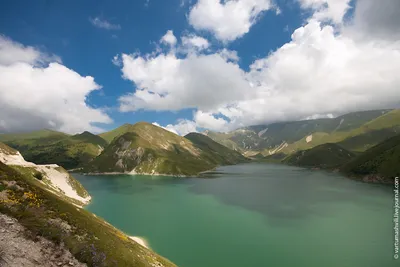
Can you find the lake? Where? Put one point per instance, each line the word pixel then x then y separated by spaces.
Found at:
pixel 252 215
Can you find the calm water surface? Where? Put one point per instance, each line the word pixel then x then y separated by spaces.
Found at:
pixel 252 215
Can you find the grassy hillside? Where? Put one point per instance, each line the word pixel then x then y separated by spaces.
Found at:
pixel 362 142
pixel 357 139
pixel 381 162
pixel 7 150
pixel 109 136
pixel 214 151
pixel 90 239
pixel 268 137
pixel 44 147
pixel 223 139
pixel 149 149
pixel 55 178
pixel 89 138
pixel 296 135
pixel 322 156
pixel 378 164
pixel 45 135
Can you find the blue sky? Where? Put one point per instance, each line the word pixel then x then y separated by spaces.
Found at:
pixel 85 36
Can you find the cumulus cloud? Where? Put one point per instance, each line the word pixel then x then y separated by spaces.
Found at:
pixel 333 10
pixel 11 52
pixel 104 24
pixel 323 71
pixel 34 96
pixel 228 20
pixel 229 55
pixel 166 82
pixel 319 72
pixel 182 127
pixel 194 42
pixel 208 121
pixel 169 38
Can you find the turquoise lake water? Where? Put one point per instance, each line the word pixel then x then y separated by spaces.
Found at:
pixel 252 215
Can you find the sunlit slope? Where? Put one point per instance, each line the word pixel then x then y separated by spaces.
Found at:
pixel 90 239
pixel 44 147
pixel 149 149
pixel 381 162
pixel 267 138
pixel 322 156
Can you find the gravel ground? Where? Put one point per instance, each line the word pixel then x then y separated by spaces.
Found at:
pixel 18 251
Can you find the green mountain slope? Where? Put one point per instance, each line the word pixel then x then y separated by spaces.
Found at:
pixel 357 139
pixel 214 151
pixel 90 239
pixel 362 142
pixel 89 138
pixel 44 136
pixel 379 163
pixel 269 137
pixel 109 136
pixel 149 149
pixel 44 147
pixel 322 156
pixel 53 177
pixel 223 139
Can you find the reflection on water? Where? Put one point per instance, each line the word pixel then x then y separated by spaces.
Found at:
pixel 252 215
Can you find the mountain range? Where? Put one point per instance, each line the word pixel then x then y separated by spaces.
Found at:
pixel 144 148
pixel 355 131
pixel 149 149
pixel 48 201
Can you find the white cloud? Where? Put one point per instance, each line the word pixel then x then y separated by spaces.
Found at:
pixel 208 121
pixel 183 127
pixel 11 52
pixel 165 82
pixel 229 55
pixel 116 60
pixel 322 71
pixel 228 20
pixel 104 24
pixel 333 10
pixel 33 96
pixel 194 42
pixel 170 128
pixel 169 38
